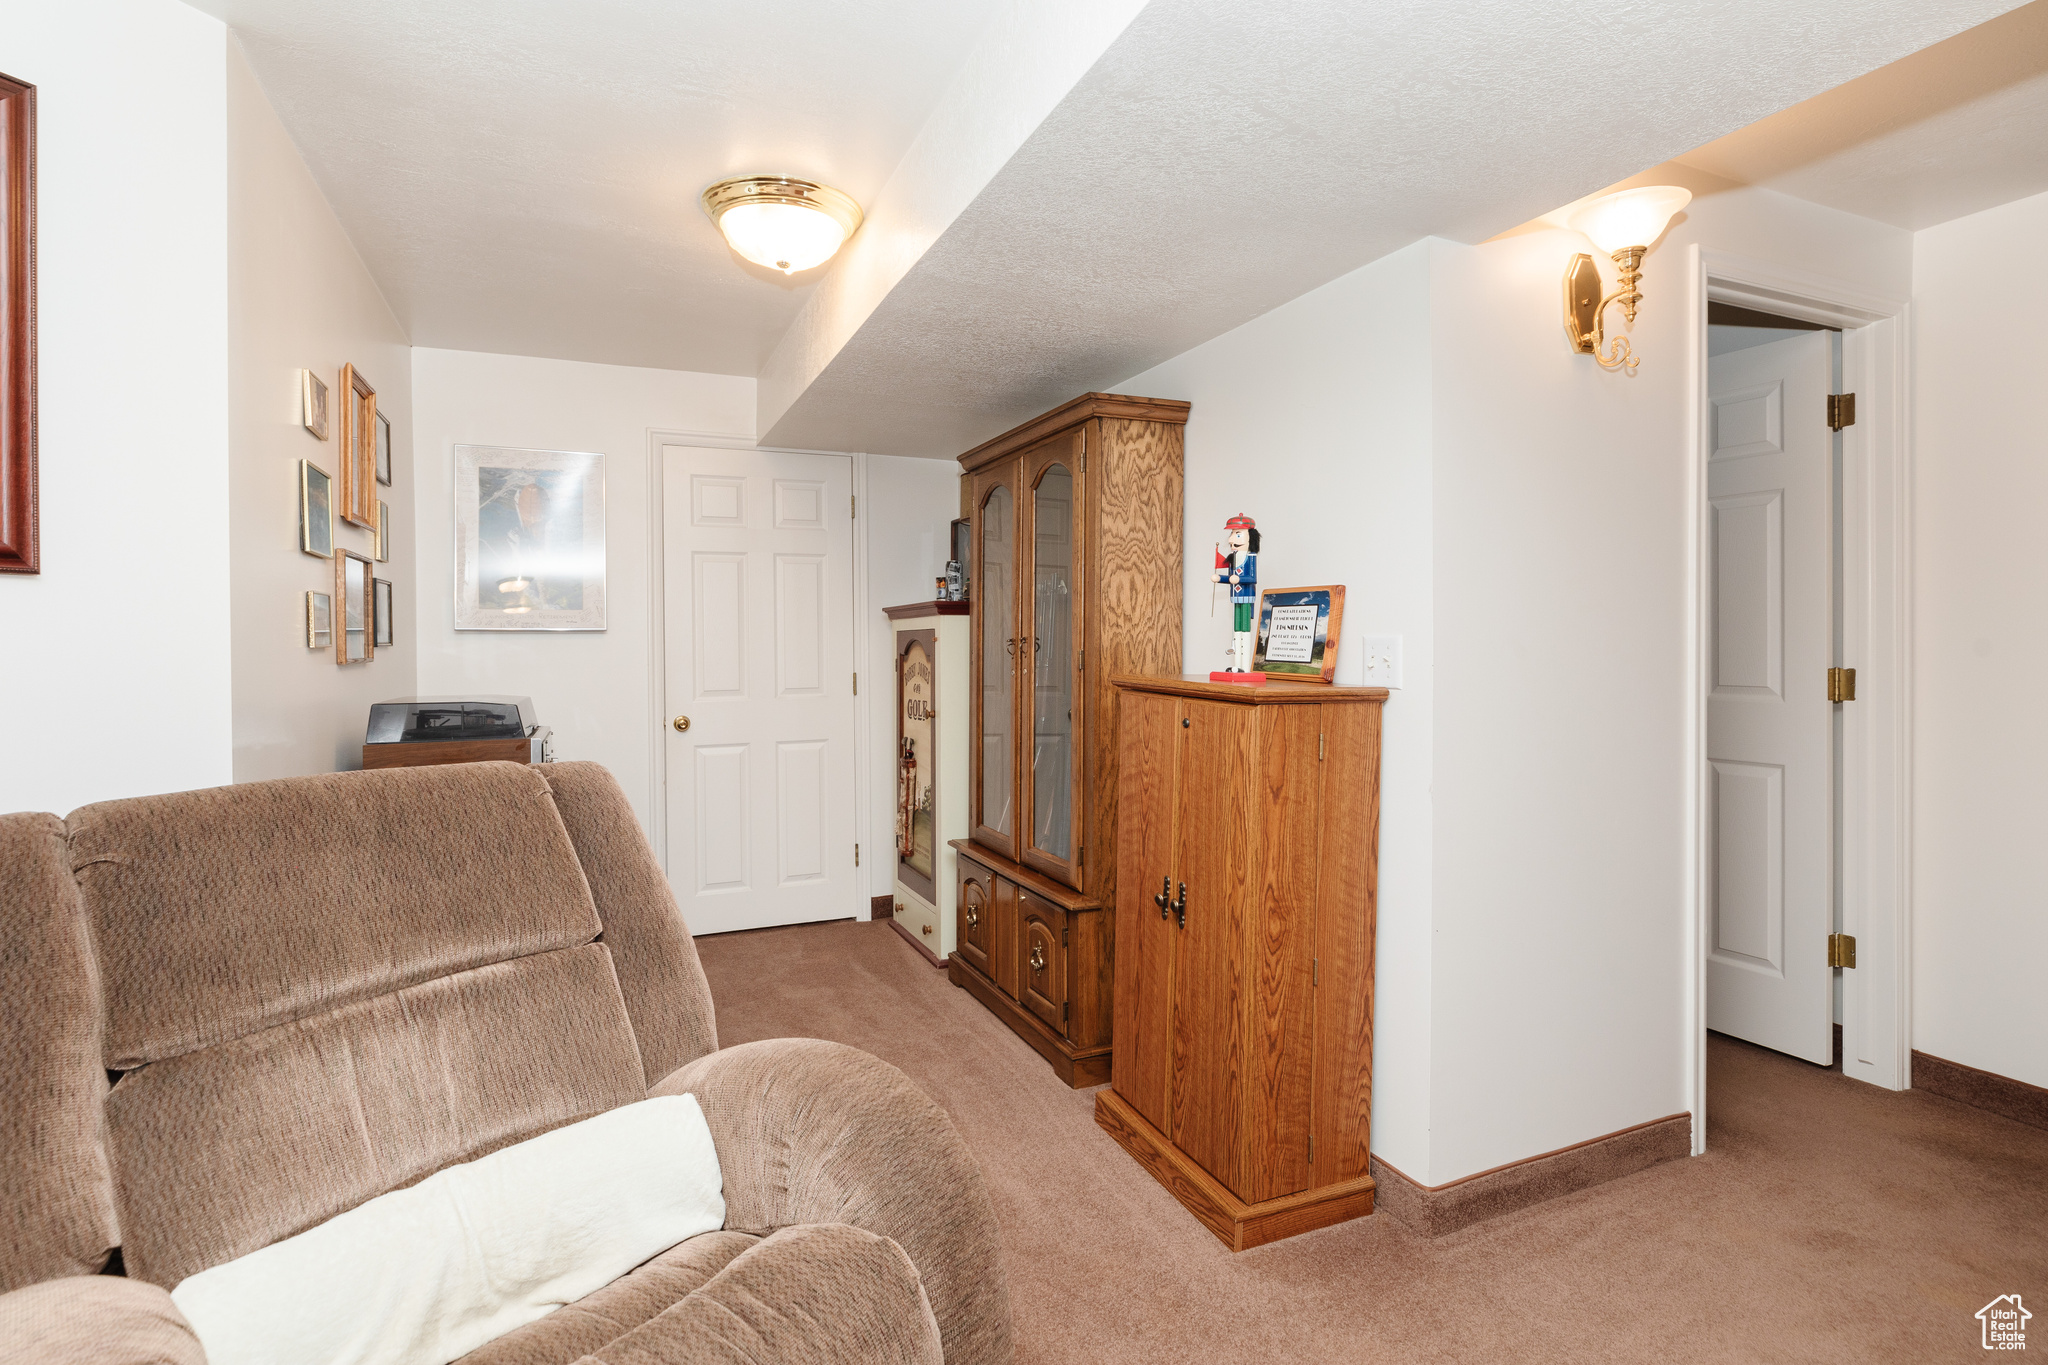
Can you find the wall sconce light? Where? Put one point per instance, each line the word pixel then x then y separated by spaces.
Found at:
pixel 1624 225
pixel 787 225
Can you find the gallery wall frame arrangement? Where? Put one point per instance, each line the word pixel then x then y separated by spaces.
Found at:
pixel 20 532
pixel 1298 633
pixel 319 620
pixel 380 607
pixel 313 404
pixel 354 642
pixel 358 504
pixel 529 539
pixel 316 510
pixel 383 450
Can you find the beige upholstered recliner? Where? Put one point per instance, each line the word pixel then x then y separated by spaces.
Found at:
pixel 313 991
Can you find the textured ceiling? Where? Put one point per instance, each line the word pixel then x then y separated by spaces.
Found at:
pixel 1222 158
pixel 1957 128
pixel 521 176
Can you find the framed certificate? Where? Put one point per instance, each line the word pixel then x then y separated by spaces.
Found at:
pixel 1298 632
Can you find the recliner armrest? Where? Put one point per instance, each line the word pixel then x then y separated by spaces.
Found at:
pixel 815 1132
pixel 95 1320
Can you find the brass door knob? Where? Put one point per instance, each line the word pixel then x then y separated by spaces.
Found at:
pixel 681 723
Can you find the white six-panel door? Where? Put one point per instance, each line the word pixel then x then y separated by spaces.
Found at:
pixel 1769 721
pixel 759 607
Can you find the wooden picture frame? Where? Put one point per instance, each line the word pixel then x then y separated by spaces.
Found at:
pixel 358 505
pixel 319 620
pixel 21 549
pixel 313 404
pixel 316 510
pixel 380 604
pixel 354 609
pixel 383 450
pixel 1311 622
pixel 383 531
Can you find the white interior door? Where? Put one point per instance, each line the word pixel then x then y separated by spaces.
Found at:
pixel 1769 721
pixel 759 605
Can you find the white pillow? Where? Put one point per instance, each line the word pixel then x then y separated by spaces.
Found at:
pixel 423 1275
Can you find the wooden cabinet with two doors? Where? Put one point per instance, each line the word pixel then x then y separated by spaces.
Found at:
pixel 1075 520
pixel 1249 821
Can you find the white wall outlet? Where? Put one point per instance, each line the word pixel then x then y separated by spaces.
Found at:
pixel 1382 661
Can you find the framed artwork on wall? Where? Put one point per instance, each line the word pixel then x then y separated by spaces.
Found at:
pixel 20 531
pixel 313 404
pixel 1298 632
pixel 354 642
pixel 383 531
pixel 316 510
pixel 319 621
pixel 380 606
pixel 529 539
pixel 358 503
pixel 383 450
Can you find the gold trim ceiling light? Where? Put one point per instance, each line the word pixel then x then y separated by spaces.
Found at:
pixel 784 224
pixel 1624 225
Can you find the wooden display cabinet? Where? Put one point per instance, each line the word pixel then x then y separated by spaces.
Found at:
pixel 1075 527
pixel 1244 925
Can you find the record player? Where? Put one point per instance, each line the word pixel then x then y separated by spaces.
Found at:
pixel 408 732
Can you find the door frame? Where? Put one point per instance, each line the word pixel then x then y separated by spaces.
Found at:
pixel 657 638
pixel 1877 615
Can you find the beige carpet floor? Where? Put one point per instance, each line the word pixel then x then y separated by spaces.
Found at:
pixel 1829 1221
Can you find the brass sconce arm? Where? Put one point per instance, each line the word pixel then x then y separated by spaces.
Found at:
pixel 1585 308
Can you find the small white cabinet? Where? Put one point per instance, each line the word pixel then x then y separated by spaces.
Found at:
pixel 930 761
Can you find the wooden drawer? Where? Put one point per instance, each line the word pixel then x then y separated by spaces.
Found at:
pixel 1042 960
pixel 977 916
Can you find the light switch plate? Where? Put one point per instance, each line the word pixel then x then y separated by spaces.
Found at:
pixel 1382 661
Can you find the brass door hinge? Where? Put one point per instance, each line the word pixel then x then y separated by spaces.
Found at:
pixel 1841 411
pixel 1322 747
pixel 856 684
pixel 1315 971
pixel 856 855
pixel 853 506
pixel 1841 684
pixel 1311 1149
pixel 1841 950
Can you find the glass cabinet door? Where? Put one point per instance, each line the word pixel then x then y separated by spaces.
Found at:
pixel 995 705
pixel 1053 639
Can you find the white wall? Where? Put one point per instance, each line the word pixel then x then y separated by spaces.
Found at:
pixel 1980 874
pixel 1561 685
pixel 1315 419
pixel 117 680
pixel 591 687
pixel 906 520
pixel 1420 432
pixel 300 296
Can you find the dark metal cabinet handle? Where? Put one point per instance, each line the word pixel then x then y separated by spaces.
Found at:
pixel 1180 907
pixel 1165 896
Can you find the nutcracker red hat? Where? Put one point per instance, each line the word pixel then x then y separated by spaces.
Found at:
pixel 1240 522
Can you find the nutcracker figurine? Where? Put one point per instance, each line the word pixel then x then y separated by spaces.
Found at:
pixel 1240 569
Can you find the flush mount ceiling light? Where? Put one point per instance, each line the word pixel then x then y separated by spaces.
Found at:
pixel 1624 225
pixel 787 225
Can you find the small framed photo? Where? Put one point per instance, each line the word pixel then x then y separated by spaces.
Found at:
pixel 355 640
pixel 380 606
pixel 383 531
pixel 319 621
pixel 316 510
pixel 1298 632
pixel 313 404
pixel 358 449
pixel 383 450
